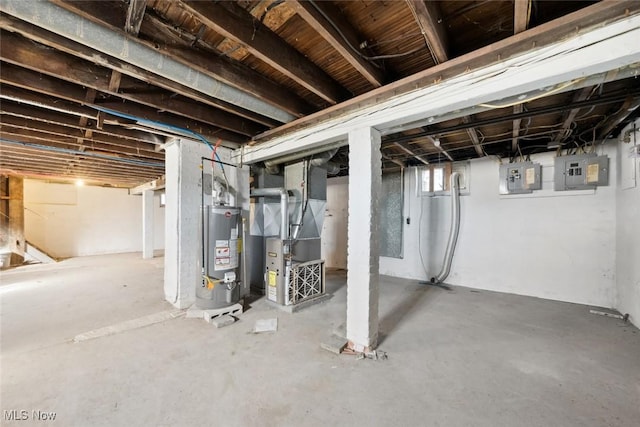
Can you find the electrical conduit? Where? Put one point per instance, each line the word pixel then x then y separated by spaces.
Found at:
pixel 453 231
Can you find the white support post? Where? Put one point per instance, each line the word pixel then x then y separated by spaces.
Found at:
pixel 183 191
pixel 147 224
pixel 365 179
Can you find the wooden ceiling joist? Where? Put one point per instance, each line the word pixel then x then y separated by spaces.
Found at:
pixel 329 22
pixel 411 153
pixel 570 115
pixel 521 16
pixel 219 67
pixel 438 146
pixel 43 154
pixel 135 13
pixel 473 135
pixel 21 52
pixel 12 122
pixel 56 118
pixel 76 49
pixel 240 26
pixel 55 89
pixel 627 108
pixel 31 136
pixel 431 23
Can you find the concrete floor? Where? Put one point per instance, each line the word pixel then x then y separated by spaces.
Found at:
pixel 456 358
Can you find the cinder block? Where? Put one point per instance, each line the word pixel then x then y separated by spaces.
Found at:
pixel 222 321
pixel 334 344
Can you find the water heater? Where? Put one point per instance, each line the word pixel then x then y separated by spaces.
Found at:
pixel 220 257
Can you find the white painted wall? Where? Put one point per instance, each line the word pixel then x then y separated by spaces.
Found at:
pixel 627 227
pixel 334 229
pixel 67 221
pixel 555 245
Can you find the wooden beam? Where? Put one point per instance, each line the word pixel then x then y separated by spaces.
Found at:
pixel 235 23
pixel 392 160
pixel 225 69
pixel 57 164
pixel 135 13
pixel 329 22
pixel 143 148
pixel 627 108
pixel 156 184
pixel 222 68
pixel 596 15
pixel 473 135
pixel 515 132
pixel 24 151
pixel 57 118
pixel 20 51
pixel 570 116
pixel 439 147
pixel 76 49
pixel 411 153
pixel 32 80
pixel 521 15
pixel 114 81
pixel 43 136
pixel 429 18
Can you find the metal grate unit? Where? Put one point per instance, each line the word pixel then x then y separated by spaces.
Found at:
pixel 306 281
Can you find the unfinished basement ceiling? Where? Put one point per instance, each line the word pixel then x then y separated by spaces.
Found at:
pixel 231 71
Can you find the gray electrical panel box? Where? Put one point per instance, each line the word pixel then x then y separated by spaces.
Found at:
pixel 580 172
pixel 519 178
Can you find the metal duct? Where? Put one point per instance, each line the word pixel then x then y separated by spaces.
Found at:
pixel 81 30
pixel 284 206
pixel 300 155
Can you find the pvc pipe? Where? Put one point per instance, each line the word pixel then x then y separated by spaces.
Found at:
pixel 284 206
pixel 453 231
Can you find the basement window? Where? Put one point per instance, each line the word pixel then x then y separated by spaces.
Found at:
pixel 433 180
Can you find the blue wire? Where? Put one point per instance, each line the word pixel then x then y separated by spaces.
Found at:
pixel 84 153
pixel 165 125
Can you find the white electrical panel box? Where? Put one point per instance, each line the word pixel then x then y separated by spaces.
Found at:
pixel 580 172
pixel 520 178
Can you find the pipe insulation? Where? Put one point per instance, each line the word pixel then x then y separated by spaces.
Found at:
pixel 284 206
pixel 453 231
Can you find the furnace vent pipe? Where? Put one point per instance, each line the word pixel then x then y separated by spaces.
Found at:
pixel 453 231
pixel 320 157
pixel 284 206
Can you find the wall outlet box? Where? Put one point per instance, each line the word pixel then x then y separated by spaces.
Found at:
pixel 580 172
pixel 520 178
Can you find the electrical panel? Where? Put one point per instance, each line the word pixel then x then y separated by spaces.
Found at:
pixel 580 172
pixel 520 178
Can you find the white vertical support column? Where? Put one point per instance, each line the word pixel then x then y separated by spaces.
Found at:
pixel 182 213
pixel 365 180
pixel 147 224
